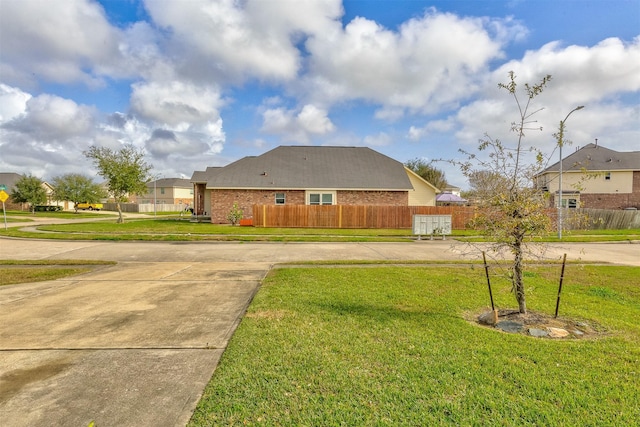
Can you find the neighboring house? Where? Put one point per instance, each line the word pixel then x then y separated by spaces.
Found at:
pixel 171 191
pixel 9 179
pixel 448 198
pixel 595 177
pixel 309 175
pixel 451 189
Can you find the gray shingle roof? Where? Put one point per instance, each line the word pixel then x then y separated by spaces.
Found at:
pixel 172 182
pixel 9 179
pixel 313 167
pixel 202 176
pixel 594 157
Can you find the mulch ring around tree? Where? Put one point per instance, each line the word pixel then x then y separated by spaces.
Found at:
pixel 538 325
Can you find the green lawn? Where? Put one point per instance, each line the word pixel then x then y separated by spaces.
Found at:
pixel 25 215
pixel 26 271
pixel 168 228
pixel 390 346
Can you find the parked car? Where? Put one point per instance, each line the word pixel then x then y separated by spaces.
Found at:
pixel 89 206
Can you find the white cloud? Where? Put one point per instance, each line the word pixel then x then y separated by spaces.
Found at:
pixel 13 102
pixel 593 76
pixel 176 103
pixel 233 40
pixel 435 126
pixel 581 73
pixel 49 117
pixel 378 140
pixel 45 134
pixel 59 41
pixel 431 62
pixel 297 126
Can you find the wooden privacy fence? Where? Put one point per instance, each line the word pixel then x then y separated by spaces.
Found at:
pixel 346 216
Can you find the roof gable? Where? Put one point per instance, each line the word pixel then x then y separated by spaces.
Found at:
pixel 594 157
pixel 314 167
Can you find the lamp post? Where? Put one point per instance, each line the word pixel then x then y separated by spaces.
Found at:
pixel 154 197
pixel 560 144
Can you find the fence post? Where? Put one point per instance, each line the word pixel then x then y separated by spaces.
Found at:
pixel 264 215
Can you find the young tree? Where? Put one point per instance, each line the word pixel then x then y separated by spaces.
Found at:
pixel 77 188
pixel 512 211
pixel 29 189
pixel 125 171
pixel 428 172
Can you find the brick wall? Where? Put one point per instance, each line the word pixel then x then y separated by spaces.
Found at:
pixel 380 198
pixel 614 201
pixel 223 200
pixel 610 201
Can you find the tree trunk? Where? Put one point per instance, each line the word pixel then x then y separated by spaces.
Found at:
pixel 518 284
pixel 120 217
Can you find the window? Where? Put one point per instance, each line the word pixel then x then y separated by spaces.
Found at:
pixel 161 190
pixel 607 176
pixel 280 198
pixel 570 203
pixel 321 198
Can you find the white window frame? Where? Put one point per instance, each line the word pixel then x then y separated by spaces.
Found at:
pixel 283 198
pixel 321 193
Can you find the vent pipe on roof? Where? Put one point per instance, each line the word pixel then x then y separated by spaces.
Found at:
pixel 596 142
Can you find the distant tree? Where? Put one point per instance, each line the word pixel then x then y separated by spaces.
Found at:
pixel 512 210
pixel 29 189
pixel 483 183
pixel 77 188
pixel 125 171
pixel 428 172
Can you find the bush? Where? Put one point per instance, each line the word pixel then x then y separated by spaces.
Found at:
pixel 235 214
pixel 47 208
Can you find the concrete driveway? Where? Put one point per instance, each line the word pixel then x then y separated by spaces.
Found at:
pixel 136 343
pixel 125 345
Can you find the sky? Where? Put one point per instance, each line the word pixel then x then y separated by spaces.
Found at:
pixel 198 83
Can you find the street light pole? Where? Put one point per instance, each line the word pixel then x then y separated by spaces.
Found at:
pixel 154 197
pixel 560 144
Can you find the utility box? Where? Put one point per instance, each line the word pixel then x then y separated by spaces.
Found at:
pixel 428 225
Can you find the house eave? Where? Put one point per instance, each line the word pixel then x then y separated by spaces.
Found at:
pixel 274 187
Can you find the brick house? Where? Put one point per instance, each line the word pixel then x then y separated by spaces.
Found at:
pixel 595 177
pixel 308 175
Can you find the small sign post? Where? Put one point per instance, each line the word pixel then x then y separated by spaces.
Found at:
pixel 3 197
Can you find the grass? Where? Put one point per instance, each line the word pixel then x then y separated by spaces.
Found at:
pixel 24 215
pixel 173 230
pixel 27 271
pixel 169 228
pixel 579 236
pixel 389 346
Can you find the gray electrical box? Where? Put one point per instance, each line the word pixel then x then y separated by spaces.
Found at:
pixel 428 225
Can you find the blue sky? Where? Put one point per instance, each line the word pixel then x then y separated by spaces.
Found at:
pixel 203 83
